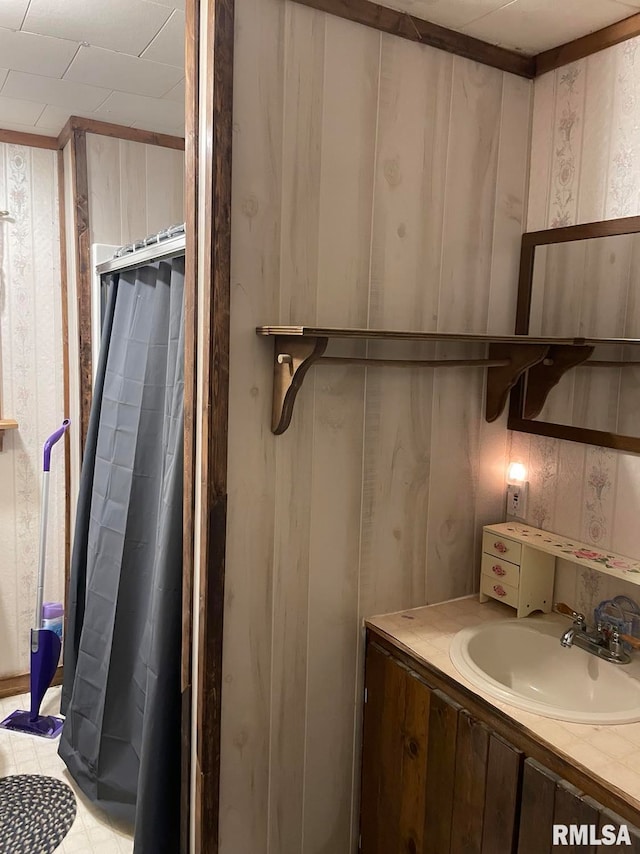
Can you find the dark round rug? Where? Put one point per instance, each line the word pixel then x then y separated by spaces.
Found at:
pixel 36 813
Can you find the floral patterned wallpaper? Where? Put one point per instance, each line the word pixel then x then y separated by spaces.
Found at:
pixel 31 390
pixel 585 166
pixel 585 157
pixel 586 493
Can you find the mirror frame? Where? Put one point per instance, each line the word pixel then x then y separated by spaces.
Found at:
pixel 531 239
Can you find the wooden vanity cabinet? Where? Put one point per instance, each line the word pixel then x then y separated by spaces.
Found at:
pixel 436 779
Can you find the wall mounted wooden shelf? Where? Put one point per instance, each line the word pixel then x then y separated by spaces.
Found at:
pixel 6 424
pixel 297 348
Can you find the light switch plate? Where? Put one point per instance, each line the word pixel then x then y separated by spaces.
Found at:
pixel 517 500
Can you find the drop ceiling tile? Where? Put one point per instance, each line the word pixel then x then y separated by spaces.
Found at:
pixel 36 54
pixel 12 13
pixel 123 108
pixel 177 93
pixel 172 4
pixel 60 93
pixel 3 76
pixel 19 111
pixel 536 25
pixel 447 13
pixel 41 131
pixel 168 45
pixel 124 25
pixel 112 70
pixel 57 117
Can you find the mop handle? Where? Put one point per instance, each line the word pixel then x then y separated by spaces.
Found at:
pixel 53 438
pixel 48 445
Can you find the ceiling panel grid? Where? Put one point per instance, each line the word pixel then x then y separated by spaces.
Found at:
pixel 120 61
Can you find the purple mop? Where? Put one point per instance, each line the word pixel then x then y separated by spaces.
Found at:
pixel 45 644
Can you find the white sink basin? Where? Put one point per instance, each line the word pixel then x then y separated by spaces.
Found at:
pixel 521 662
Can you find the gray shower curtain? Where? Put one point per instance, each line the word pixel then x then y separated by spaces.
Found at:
pixel 121 690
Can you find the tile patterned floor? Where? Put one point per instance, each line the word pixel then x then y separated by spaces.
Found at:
pixel 93 832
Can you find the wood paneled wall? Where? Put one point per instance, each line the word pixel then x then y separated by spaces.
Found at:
pixel 135 189
pixel 31 390
pixel 375 182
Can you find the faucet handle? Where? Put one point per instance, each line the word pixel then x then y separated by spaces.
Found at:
pixel 578 618
pixel 633 642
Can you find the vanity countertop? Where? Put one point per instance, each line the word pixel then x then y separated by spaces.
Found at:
pixel 612 753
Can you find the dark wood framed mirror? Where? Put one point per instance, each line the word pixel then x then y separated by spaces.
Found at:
pixel 583 281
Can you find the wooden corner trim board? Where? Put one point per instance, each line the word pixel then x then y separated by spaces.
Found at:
pixel 418 30
pixel 192 94
pixel 64 297
pixel 214 277
pixel 82 246
pixel 65 134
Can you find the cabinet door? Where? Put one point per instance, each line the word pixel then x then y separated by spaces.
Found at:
pixel 502 799
pixel 441 763
pixel 547 801
pixel 472 753
pixel 396 720
pixel 612 820
pixel 572 807
pixel 537 807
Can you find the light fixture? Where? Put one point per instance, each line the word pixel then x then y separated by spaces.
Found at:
pixel 517 490
pixel 516 473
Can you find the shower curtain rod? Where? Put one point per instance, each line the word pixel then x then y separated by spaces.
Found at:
pixel 153 252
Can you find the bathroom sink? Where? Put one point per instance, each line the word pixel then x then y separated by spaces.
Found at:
pixel 521 662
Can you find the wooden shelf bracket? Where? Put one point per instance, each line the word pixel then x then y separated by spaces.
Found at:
pixel 501 380
pixel 292 358
pixel 546 374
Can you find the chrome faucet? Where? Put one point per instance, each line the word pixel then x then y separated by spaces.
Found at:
pixel 567 637
pixel 605 641
pixel 579 624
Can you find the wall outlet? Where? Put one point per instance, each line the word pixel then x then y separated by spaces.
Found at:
pixel 517 500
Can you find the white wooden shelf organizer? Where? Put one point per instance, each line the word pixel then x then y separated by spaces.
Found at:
pixel 519 562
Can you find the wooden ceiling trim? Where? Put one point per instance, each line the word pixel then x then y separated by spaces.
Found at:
pixel 76 123
pixel 609 36
pixel 407 26
pixel 33 140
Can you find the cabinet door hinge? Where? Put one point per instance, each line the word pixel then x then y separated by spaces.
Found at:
pixel 366 694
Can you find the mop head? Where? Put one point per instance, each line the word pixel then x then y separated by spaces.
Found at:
pixel 45 653
pixel 46 726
